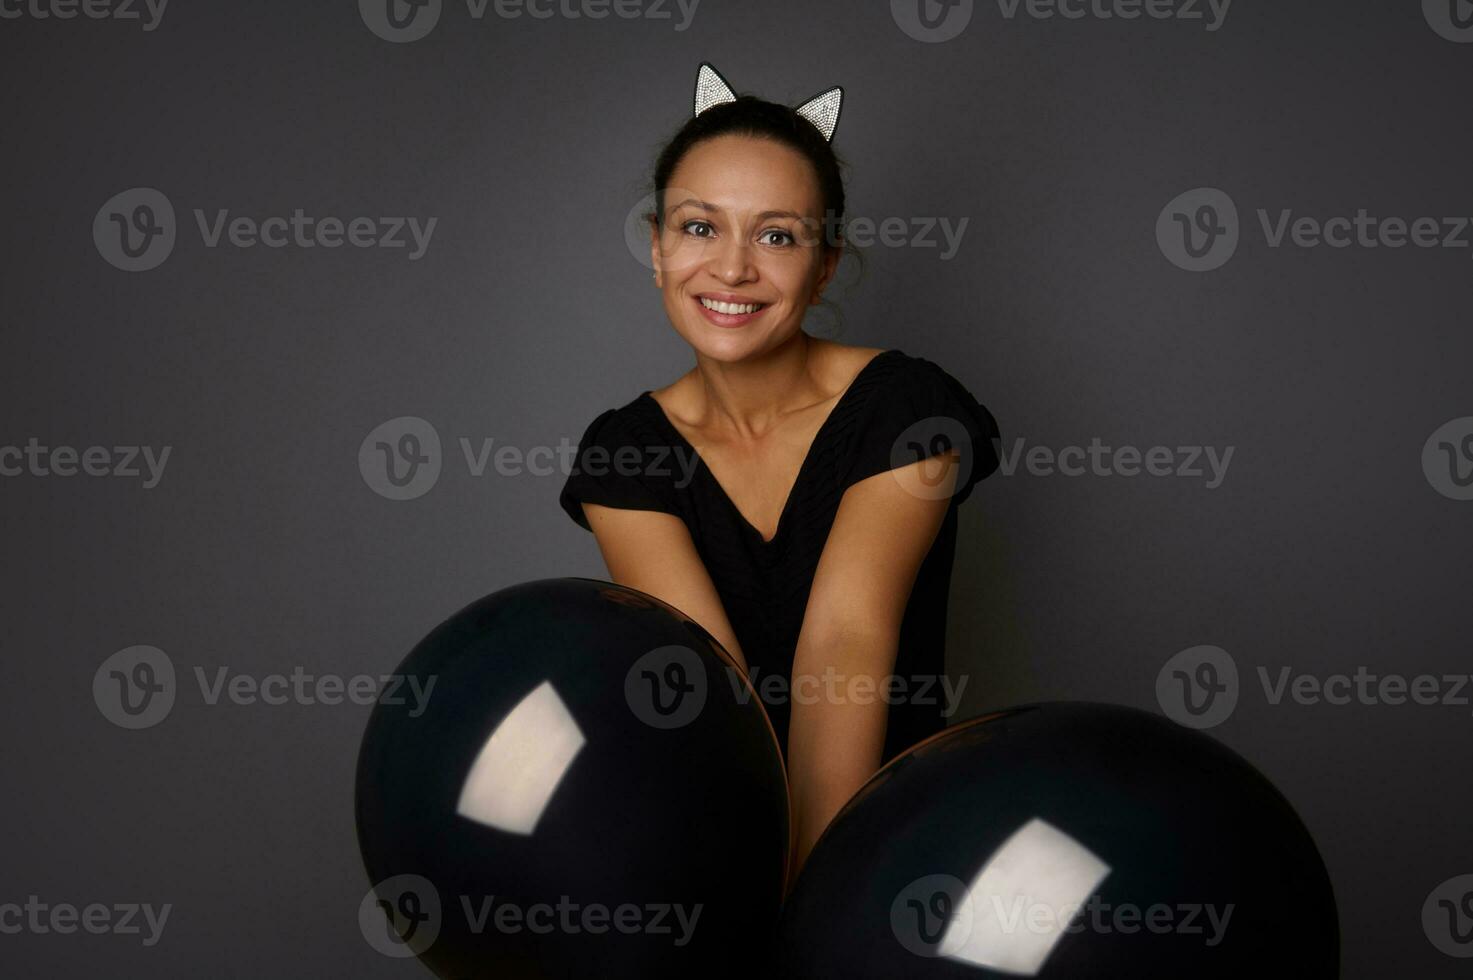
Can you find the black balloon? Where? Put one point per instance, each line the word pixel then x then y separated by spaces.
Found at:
pixel 1065 839
pixel 589 789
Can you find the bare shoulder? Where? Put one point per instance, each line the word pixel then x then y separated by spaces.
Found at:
pixel 845 362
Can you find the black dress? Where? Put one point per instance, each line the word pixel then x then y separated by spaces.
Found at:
pixel 897 410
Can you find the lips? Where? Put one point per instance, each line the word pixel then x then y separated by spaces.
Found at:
pixel 729 311
pixel 731 306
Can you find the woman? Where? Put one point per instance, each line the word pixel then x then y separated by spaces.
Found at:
pixel 795 496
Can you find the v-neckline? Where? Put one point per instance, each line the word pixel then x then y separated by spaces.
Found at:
pixel 782 518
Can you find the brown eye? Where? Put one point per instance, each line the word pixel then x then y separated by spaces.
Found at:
pixel 689 225
pixel 785 238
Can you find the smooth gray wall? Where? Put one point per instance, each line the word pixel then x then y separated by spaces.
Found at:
pixel 263 548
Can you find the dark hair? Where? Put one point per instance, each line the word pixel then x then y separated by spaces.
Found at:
pixel 761 119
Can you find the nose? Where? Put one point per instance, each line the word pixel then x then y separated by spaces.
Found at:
pixel 732 261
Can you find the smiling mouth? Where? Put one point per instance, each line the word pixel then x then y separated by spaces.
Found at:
pixel 730 309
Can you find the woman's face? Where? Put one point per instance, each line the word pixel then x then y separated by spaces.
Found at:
pixel 742 228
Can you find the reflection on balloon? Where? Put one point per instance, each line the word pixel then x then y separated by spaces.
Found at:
pixel 521 764
pixel 1061 840
pixel 1038 864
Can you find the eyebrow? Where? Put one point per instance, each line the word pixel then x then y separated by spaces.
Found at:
pixel 761 217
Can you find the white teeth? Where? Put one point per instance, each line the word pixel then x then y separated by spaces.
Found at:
pixel 730 308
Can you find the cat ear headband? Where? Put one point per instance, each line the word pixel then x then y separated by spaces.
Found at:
pixel 822 110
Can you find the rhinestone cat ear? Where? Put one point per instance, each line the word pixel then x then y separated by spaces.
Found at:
pixel 711 89
pixel 822 110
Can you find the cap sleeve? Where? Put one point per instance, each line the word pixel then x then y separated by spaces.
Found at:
pixel 612 468
pixel 920 412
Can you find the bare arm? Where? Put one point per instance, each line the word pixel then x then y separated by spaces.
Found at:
pixel 653 552
pixel 884 527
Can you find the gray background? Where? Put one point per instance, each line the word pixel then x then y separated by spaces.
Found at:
pixel 263 548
